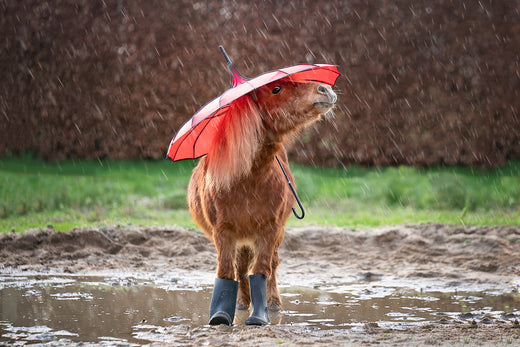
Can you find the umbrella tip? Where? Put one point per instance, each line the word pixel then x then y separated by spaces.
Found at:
pixel 225 55
pixel 236 77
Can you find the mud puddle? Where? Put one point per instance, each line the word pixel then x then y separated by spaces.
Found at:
pixel 125 309
pixel 404 285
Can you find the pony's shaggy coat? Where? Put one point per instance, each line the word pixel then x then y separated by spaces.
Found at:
pixel 238 194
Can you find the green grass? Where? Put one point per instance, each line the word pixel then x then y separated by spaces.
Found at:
pixel 357 196
pixel 83 193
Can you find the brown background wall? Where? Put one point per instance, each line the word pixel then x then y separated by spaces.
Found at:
pixel 424 82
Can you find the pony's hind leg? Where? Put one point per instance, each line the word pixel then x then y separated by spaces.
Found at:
pixel 244 257
pixel 274 302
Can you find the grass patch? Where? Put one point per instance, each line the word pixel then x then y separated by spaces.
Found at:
pixel 82 193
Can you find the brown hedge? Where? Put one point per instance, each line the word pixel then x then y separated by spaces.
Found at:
pixel 424 82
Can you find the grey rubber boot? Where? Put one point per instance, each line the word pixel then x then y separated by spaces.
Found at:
pixel 223 302
pixel 258 290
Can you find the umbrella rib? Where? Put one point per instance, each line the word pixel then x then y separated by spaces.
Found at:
pixel 312 80
pixel 197 138
pixel 179 145
pixel 191 130
pixel 215 114
pixel 180 142
pixel 184 138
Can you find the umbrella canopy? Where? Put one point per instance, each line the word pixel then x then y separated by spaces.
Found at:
pixel 195 137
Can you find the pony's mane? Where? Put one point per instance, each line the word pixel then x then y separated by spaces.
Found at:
pixel 235 145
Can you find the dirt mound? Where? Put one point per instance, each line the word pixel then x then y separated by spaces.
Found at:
pixel 451 254
pixel 117 247
pixel 315 254
pixel 423 84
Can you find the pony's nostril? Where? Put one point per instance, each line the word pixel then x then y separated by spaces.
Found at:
pixel 322 90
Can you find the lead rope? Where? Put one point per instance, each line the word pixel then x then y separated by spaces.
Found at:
pixel 293 191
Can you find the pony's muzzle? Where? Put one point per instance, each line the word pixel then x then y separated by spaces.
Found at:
pixel 326 98
pixel 327 91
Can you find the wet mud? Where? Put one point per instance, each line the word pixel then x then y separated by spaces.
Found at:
pixel 412 285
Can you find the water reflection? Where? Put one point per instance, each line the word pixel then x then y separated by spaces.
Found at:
pixel 91 309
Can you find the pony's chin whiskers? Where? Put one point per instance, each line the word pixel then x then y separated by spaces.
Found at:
pixel 329 115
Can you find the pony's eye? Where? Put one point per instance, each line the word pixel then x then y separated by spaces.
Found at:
pixel 277 89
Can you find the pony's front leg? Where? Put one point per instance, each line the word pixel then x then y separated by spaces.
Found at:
pixel 226 253
pixel 265 248
pixel 224 297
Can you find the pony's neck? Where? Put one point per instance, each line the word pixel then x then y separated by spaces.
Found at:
pixel 266 154
pixel 273 144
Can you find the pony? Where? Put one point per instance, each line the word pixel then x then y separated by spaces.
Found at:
pixel 239 197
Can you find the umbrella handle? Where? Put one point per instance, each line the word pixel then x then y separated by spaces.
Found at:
pixel 293 191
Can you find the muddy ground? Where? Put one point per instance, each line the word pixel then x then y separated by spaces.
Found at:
pixel 428 256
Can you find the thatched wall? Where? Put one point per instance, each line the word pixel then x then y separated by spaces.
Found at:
pixel 424 82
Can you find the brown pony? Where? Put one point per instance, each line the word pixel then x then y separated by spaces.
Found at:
pixel 240 198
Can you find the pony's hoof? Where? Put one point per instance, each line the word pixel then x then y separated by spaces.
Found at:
pixel 219 318
pixel 242 306
pixel 275 307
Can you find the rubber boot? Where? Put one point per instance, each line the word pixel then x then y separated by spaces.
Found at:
pixel 223 302
pixel 258 290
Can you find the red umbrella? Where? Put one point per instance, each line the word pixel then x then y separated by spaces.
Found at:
pixel 195 137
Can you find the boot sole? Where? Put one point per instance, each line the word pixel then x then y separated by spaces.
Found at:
pixel 220 318
pixel 256 321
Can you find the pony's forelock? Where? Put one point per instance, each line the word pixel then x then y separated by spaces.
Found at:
pixel 236 144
